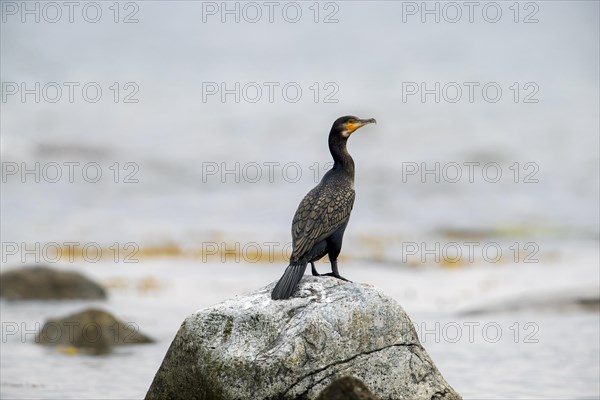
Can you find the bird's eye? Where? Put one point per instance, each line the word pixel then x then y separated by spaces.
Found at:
pixel 351 121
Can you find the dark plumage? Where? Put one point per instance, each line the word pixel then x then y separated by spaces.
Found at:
pixel 321 218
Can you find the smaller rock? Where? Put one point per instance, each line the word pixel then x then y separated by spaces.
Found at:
pixel 92 331
pixel 346 388
pixel 43 283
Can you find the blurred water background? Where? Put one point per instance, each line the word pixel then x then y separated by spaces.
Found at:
pixel 177 140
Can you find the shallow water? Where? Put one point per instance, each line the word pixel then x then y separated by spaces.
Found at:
pixel 519 354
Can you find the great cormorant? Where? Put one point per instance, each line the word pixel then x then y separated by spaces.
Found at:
pixel 321 218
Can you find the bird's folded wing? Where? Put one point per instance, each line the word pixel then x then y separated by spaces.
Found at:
pixel 319 215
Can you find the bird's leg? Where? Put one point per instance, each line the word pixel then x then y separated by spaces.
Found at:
pixel 314 270
pixel 335 272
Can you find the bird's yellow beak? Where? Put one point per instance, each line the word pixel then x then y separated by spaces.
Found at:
pixel 352 126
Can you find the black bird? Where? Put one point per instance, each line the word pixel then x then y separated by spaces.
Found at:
pixel 321 218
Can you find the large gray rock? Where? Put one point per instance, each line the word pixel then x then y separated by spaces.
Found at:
pixel 43 283
pixel 252 347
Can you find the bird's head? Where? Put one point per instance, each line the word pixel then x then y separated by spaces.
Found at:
pixel 345 126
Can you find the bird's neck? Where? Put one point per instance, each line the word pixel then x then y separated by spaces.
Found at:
pixel 342 161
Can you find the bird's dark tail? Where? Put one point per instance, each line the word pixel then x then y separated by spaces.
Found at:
pixel 288 282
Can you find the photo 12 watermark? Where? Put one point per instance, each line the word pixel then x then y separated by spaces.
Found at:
pixel 470 172
pixel 263 171
pixel 69 172
pixel 70 92
pixel 468 252
pixel 69 252
pixel 473 331
pixel 470 92
pixel 252 12
pixel 269 92
pixel 53 332
pixel 452 12
pixel 52 12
